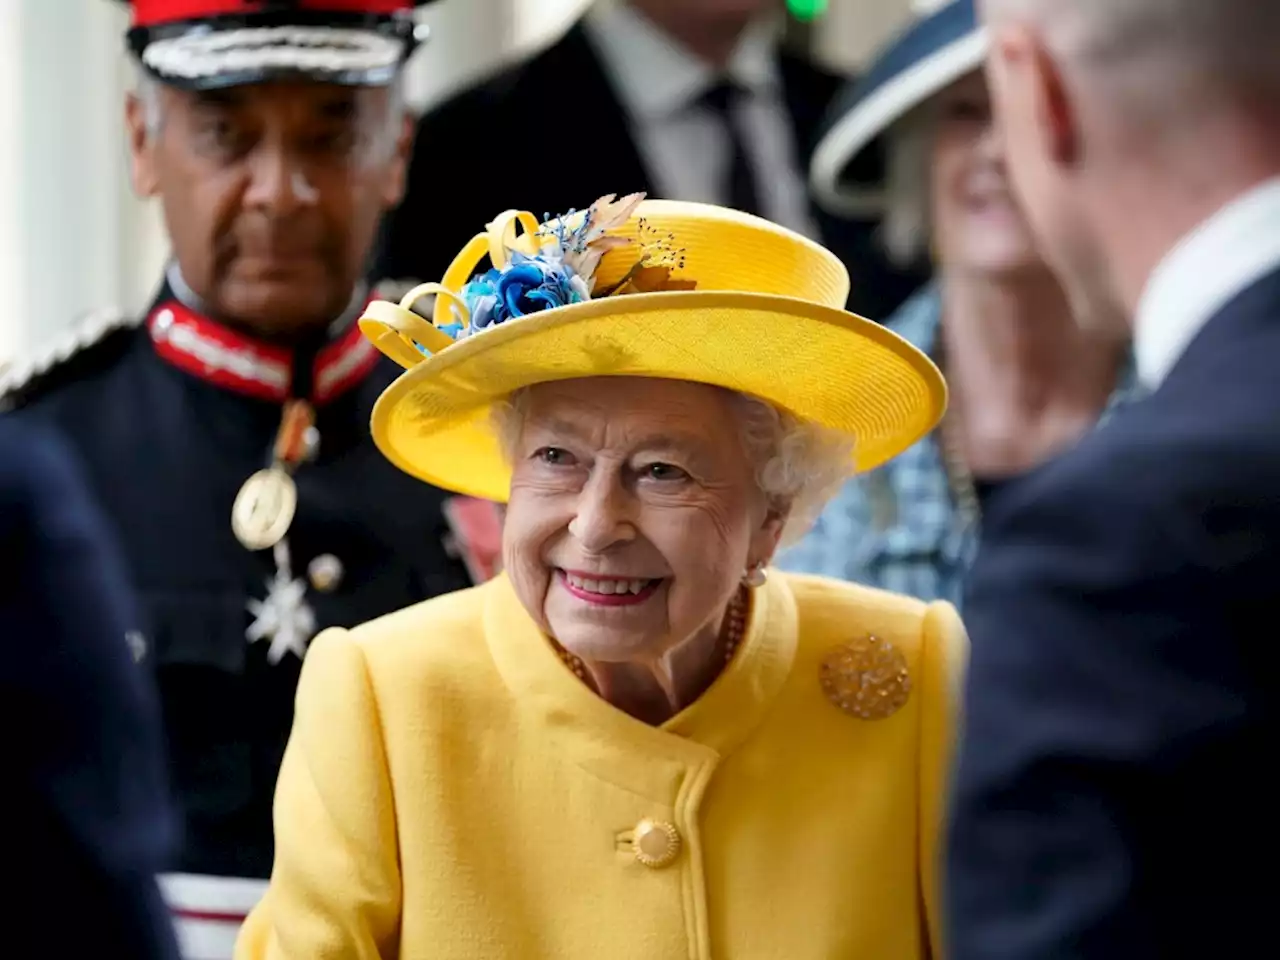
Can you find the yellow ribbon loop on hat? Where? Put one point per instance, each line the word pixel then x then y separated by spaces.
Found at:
pixel 464 264
pixel 503 236
pixel 446 297
pixel 381 323
pixel 403 335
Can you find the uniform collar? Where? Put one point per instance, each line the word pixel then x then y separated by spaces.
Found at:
pixel 1206 269
pixel 185 336
pixel 614 746
pixel 657 78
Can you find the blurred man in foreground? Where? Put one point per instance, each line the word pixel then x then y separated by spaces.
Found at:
pixel 226 431
pixel 86 803
pixel 1113 798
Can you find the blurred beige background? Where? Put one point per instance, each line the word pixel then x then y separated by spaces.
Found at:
pixel 72 236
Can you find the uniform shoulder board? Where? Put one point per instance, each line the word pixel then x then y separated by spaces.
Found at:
pixel 23 375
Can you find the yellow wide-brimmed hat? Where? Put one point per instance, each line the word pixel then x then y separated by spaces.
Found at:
pixel 638 288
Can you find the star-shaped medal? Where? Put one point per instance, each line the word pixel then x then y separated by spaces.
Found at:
pixel 284 617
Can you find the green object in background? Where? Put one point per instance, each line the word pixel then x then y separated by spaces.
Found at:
pixel 807 9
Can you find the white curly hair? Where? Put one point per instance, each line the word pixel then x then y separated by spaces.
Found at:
pixel 799 465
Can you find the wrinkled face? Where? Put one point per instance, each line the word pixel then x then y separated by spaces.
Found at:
pixel 977 224
pixel 634 514
pixel 272 193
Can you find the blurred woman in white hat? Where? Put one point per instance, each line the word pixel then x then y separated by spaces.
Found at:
pixel 1025 381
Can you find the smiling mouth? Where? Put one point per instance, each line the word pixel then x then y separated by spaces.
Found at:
pixel 609 591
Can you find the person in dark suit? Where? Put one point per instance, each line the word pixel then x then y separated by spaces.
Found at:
pixel 1113 798
pixel 678 99
pixel 87 807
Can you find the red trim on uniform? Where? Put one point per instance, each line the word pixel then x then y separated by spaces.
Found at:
pixel 206 349
pixel 212 352
pixel 210 916
pixel 343 364
pixel 151 13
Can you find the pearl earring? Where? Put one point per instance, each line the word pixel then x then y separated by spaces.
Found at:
pixel 756 576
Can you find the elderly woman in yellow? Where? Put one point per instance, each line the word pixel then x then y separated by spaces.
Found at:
pixel 635 742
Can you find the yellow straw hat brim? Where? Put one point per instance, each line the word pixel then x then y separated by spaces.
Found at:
pixel 819 363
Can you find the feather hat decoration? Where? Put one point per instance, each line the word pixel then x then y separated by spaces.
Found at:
pixel 555 266
pixel 590 240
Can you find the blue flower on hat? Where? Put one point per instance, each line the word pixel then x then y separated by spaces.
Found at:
pixel 525 285
pixel 561 271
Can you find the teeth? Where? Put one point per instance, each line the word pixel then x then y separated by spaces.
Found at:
pixel 606 587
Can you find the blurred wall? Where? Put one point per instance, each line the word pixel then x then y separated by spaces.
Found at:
pixel 851 30
pixel 72 236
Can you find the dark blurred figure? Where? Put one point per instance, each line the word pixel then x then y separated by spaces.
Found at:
pixel 1122 708
pixel 226 431
pixel 682 99
pixel 87 812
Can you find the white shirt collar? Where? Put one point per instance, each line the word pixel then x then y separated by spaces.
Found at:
pixel 657 77
pixel 1207 268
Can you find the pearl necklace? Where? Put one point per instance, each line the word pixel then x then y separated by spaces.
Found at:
pixel 964 491
pixel 735 622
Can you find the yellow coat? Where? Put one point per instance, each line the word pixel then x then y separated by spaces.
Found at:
pixel 452 790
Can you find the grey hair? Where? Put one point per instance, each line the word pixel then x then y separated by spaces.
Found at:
pixel 1229 43
pixel 147 89
pixel 800 465
pixel 904 231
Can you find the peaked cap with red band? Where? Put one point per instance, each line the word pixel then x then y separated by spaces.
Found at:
pixel 202 44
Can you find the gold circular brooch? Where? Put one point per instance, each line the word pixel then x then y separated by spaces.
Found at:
pixel 866 678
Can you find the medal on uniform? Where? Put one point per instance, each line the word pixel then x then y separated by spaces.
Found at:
pixel 264 508
pixel 260 518
pixel 266 503
pixel 284 618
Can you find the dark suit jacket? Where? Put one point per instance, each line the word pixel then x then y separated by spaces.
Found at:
pixel 549 135
pixel 1115 797
pixel 85 805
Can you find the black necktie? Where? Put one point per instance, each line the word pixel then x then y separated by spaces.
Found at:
pixel 725 100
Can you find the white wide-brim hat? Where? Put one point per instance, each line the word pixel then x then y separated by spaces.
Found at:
pixel 943 46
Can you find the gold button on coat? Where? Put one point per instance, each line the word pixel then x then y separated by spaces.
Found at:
pixel 656 843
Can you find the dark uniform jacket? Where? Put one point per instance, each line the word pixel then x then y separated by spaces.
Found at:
pixel 171 416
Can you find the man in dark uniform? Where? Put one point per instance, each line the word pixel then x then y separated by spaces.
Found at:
pixel 226 431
